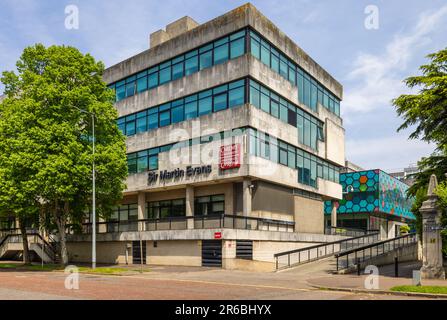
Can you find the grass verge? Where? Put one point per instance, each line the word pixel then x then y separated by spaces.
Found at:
pixel 421 289
pixel 56 267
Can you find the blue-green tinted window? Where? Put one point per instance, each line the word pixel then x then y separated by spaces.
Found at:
pixel 219 98
pixel 236 96
pixel 148 159
pixel 165 75
pixel 206 60
pixel 191 65
pixel 218 51
pixel 307 86
pixel 309 128
pixel 190 110
pixel 205 105
pixel 142 84
pixel 220 102
pixel 153 80
pixel 177 71
pixel 177 114
pixel 165 118
pixel 120 92
pixel 237 48
pixel 221 54
pixel 309 166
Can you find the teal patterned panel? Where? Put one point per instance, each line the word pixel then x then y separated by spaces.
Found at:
pixel 393 199
pixel 372 191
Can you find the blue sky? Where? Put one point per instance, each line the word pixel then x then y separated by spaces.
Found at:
pixel 369 63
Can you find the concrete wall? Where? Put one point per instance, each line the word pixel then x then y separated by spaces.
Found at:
pixel 405 254
pixel 181 253
pixel 271 200
pixel 106 252
pixel 309 215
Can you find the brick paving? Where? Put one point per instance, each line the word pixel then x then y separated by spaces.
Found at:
pixel 184 283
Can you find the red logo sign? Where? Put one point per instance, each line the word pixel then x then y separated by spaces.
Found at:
pixel 217 235
pixel 230 156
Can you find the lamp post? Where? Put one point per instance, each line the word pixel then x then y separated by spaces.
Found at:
pixel 93 189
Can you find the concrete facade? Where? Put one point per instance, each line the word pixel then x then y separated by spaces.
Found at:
pixel 260 190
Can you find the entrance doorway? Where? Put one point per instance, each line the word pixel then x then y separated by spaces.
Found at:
pixel 212 253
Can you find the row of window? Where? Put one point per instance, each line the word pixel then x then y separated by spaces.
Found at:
pixel 145 160
pixel 261 144
pixel 207 205
pixel 205 102
pixel 310 129
pixel 125 212
pixel 309 90
pixel 308 165
pixel 214 53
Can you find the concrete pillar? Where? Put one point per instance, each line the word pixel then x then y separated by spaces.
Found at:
pixel 141 210
pixel 432 262
pixel 334 215
pixel 246 197
pixel 190 206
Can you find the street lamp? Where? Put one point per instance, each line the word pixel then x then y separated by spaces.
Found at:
pixel 93 189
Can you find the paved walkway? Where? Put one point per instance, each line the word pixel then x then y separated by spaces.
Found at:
pixel 387 280
pixel 197 283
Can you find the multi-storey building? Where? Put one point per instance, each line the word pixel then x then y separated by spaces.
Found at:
pixel 234 142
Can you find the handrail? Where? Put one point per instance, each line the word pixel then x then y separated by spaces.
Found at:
pixel 222 221
pixel 334 246
pixel 401 241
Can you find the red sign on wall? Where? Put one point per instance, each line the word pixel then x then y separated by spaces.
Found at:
pixel 230 156
pixel 217 235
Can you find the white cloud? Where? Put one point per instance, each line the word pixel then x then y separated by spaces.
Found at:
pixel 387 152
pixel 379 77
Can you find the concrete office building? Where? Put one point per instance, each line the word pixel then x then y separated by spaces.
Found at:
pixel 234 142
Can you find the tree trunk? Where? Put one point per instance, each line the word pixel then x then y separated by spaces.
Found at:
pixel 59 216
pixel 26 256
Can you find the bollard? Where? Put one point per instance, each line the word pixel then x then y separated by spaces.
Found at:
pixel 396 267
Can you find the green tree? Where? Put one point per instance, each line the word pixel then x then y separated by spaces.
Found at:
pixel 46 96
pixel 426 112
pixel 427 109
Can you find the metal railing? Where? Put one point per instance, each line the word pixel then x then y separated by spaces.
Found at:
pixel 182 223
pixel 352 257
pixel 304 255
pixel 15 236
pixel 349 232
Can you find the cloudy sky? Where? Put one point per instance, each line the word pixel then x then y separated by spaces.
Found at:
pixel 370 63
